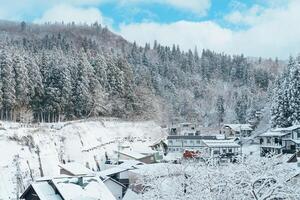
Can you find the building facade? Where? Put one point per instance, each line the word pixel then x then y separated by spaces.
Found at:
pixel 280 140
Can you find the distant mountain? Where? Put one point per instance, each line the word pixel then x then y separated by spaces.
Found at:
pixel 57 72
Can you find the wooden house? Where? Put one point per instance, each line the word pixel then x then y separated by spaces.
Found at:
pixel 236 130
pixel 280 140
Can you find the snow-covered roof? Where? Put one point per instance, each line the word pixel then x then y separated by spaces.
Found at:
pixel 45 191
pixel 273 134
pixel 76 169
pixel 238 127
pixel 130 195
pixel 220 143
pixel 291 128
pixel 112 171
pixel 132 154
pixel 91 188
pixel 156 169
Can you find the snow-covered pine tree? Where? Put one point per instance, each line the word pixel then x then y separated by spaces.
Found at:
pixel 81 96
pixel 21 87
pixel 8 85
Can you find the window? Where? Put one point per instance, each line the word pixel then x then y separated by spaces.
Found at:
pixel 261 141
pixel 276 140
pixel 230 150
pixel 191 141
pixel 185 142
pixel 216 152
pixel 198 141
pixel 170 141
pixel 268 140
pixel 298 134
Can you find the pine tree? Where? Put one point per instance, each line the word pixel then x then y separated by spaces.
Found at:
pixel 8 86
pixel 22 86
pixel 81 96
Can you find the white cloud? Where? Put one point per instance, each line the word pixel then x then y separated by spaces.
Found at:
pixel 199 7
pixel 196 6
pixel 187 34
pixel 273 32
pixel 67 13
pixel 247 17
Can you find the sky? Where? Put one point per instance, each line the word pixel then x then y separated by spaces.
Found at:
pixel 266 28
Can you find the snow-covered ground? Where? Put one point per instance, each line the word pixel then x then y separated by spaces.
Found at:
pixel 85 142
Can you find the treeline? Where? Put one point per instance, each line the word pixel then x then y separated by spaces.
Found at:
pixel 57 72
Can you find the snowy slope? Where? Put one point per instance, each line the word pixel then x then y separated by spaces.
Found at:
pixel 82 141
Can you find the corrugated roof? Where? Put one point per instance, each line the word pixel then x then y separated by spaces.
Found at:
pixel 220 143
pixel 192 137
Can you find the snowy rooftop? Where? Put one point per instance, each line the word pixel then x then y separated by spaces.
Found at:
pixel 238 127
pixel 220 143
pixel 71 188
pixel 156 169
pixel 111 171
pixel 132 154
pixel 45 191
pixel 91 188
pixel 273 134
pixel 287 129
pixel 76 169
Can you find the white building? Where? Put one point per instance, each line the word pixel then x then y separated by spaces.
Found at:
pixel 280 140
pixel 221 148
pixel 179 143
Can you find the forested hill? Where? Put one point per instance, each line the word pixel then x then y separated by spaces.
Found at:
pixel 57 72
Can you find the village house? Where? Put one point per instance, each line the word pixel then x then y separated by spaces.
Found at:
pixel 75 169
pixel 160 145
pixel 120 172
pixel 68 188
pixel 116 188
pixel 221 148
pixel 236 130
pixel 280 140
pixel 179 143
pixel 142 172
pixel 182 129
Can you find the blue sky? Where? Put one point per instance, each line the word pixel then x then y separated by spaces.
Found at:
pixel 267 28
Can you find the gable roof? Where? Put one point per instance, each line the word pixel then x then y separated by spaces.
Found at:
pixel 76 169
pixel 44 191
pixel 91 188
pixel 71 188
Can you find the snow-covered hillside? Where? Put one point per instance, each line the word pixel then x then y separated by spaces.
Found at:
pixel 24 150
